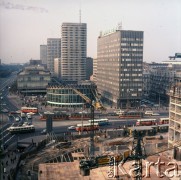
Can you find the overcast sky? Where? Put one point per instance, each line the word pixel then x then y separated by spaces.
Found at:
pixel 25 24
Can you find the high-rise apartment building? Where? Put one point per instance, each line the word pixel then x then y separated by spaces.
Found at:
pixel 43 54
pixel 73 51
pixel 119 67
pixel 53 51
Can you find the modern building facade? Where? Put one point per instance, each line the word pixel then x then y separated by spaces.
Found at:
pixel 73 51
pixel 33 80
pixel 175 120
pixel 53 51
pixel 119 67
pixel 66 96
pixel 43 54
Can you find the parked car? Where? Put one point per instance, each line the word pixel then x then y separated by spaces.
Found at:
pixel 17 119
pixel 44 131
pixel 71 128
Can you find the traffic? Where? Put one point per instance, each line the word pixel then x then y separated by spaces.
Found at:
pixel 20 121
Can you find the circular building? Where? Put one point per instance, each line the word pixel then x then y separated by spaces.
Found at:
pixel 71 95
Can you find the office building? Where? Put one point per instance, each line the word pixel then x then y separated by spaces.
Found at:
pixel 43 54
pixel 53 51
pixel 73 51
pixel 119 67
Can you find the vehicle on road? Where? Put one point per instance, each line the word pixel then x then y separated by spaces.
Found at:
pixel 17 119
pixel 5 110
pixel 164 120
pixel 44 131
pixel 21 129
pixel 155 114
pixel 71 128
pixel 131 115
pixel 28 116
pixel 101 122
pixel 23 114
pixel 87 127
pixel 29 109
pixel 149 113
pixel 146 122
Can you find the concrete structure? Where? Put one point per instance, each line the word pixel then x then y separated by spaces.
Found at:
pixel 57 67
pixel 53 51
pixel 119 67
pixel 89 67
pixel 73 51
pixel 33 80
pixel 43 54
pixel 175 120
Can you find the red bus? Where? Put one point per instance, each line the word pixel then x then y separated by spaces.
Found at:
pixel 131 115
pixel 55 116
pixel 146 122
pixel 164 121
pixel 87 127
pixel 29 109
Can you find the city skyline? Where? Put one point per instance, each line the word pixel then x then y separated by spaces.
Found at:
pixel 25 25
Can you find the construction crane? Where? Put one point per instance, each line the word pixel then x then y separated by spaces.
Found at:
pixel 97 104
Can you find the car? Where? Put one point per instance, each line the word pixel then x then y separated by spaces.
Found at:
pixel 17 119
pixel 155 114
pixel 5 111
pixel 71 128
pixel 44 131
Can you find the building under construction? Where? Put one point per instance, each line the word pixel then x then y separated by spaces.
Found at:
pixel 175 120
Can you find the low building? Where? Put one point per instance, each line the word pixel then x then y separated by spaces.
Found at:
pixel 33 80
pixel 67 96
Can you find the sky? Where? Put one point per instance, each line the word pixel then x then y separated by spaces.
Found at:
pixel 26 24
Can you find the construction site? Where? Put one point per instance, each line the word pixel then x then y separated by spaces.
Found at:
pixel 100 155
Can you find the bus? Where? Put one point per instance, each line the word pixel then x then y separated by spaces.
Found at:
pixel 146 122
pixel 29 109
pixel 57 116
pixel 101 122
pixel 87 127
pixel 21 129
pixel 79 116
pixel 131 114
pixel 164 121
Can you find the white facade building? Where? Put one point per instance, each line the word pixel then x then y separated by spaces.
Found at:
pixel 53 51
pixel 73 51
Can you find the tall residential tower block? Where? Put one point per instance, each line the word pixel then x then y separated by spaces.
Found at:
pixel 73 51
